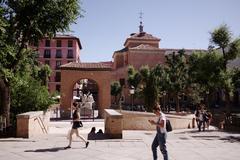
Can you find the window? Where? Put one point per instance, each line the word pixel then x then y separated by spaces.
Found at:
pixel 58 53
pixel 58 64
pixel 70 43
pixel 59 43
pixel 70 53
pixel 47 43
pixel 47 62
pixel 47 53
pixel 69 61
pixel 58 87
pixel 58 77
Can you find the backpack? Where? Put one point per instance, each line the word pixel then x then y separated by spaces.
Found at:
pixel 168 126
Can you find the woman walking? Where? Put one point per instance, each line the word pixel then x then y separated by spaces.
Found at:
pixel 76 124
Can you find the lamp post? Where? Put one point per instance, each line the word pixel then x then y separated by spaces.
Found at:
pixel 131 91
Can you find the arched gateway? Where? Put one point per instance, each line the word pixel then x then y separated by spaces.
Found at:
pixel 72 72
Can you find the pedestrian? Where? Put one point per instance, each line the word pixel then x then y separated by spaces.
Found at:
pixel 76 124
pixel 161 135
pixel 196 113
pixel 209 118
pixel 202 118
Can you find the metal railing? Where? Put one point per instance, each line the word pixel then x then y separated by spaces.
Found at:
pixel 2 123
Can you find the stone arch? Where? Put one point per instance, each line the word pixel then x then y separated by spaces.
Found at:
pixel 72 72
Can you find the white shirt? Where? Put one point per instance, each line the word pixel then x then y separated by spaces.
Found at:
pixel 162 129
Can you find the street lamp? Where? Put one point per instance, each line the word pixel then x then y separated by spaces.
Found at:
pixel 132 91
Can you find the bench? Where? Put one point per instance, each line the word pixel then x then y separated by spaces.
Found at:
pixel 32 124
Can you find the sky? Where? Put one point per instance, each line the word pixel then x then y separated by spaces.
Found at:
pixel 106 24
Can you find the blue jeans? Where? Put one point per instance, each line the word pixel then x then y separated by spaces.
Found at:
pixel 160 140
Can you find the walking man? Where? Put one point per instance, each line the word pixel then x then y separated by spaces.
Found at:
pixel 161 135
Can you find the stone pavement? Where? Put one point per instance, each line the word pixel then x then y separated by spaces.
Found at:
pixel 186 144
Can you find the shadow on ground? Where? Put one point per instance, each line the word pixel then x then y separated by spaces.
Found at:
pixel 55 149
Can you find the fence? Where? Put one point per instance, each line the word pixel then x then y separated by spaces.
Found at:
pixel 2 123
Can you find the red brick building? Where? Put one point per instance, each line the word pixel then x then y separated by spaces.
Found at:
pixel 57 51
pixel 139 49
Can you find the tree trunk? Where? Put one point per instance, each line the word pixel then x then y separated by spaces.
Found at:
pixel 5 101
pixel 177 103
pixel 227 101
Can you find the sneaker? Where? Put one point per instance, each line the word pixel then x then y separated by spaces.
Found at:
pixel 67 147
pixel 87 143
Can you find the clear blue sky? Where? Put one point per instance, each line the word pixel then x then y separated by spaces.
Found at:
pixel 178 23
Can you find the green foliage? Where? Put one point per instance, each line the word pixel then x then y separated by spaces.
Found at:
pixel 177 71
pixel 116 89
pixel 134 77
pixel 28 95
pixel 44 73
pixel 31 20
pixel 236 78
pixel 234 49
pixel 221 36
pixel 206 69
pixel 152 82
pixel 25 22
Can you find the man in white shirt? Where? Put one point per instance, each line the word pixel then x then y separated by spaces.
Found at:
pixel 161 135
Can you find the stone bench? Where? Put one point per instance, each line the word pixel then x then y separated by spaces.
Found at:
pixel 32 124
pixel 139 120
pixel 113 123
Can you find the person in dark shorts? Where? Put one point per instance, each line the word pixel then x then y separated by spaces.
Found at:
pixel 76 124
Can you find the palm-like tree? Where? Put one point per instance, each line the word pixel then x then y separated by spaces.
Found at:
pixel 222 38
pixel 116 89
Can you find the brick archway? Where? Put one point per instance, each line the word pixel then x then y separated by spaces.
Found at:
pixel 72 72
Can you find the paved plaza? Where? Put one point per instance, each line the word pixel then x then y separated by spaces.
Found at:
pixel 186 144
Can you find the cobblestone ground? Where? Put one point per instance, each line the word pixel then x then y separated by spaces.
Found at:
pixel 187 144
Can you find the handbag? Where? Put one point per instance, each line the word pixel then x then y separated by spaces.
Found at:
pixel 80 124
pixel 168 126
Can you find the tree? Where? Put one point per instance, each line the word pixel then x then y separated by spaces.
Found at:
pixel 116 89
pixel 152 79
pixel 177 71
pixel 206 70
pixel 25 22
pixel 222 38
pixel 44 73
pixel 134 77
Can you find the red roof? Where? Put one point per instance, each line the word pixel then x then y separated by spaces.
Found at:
pixel 102 66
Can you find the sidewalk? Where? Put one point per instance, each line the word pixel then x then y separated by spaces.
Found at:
pixel 187 144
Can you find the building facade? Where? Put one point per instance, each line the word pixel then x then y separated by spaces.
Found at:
pixel 139 49
pixel 59 50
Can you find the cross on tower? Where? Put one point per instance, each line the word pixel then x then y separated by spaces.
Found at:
pixel 141 26
pixel 140 16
